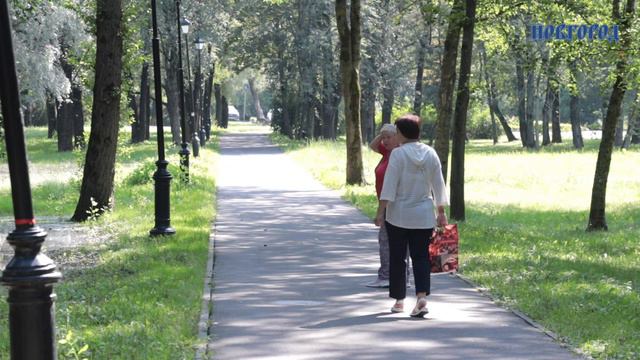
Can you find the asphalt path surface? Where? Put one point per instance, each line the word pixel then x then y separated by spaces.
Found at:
pixel 291 261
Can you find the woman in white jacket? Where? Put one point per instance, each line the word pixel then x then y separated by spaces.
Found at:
pixel 412 183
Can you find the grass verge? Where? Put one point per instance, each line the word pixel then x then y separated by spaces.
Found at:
pixel 524 239
pixel 136 296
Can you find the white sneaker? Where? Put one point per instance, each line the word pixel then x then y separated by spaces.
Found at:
pixel 378 283
pixel 421 308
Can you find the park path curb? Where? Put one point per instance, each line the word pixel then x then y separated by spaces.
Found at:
pixel 206 313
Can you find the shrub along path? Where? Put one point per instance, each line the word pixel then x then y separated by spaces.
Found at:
pixel 291 259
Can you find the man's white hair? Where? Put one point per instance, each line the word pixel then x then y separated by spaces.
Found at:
pixel 388 128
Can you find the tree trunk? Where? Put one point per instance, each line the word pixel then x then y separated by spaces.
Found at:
pixel 172 92
pixel 457 210
pixel 330 104
pixel 330 85
pixel 531 139
pixel 388 95
pixel 225 112
pixel 137 131
pixel 556 136
pixel 417 95
pixel 485 72
pixel 218 95
pixel 197 98
pixel 99 168
pixel 52 114
pixel 618 139
pixel 597 218
pixel 574 115
pixel 27 115
pixel 494 101
pixel 633 123
pixel 64 126
pixel 256 100
pixel 65 110
pixel 77 111
pixel 368 104
pixel 574 109
pixel 520 89
pixel 207 101
pixel 546 114
pixel 447 82
pixel 138 128
pixel 350 36
pixel 145 103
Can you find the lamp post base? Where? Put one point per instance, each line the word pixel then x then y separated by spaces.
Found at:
pixel 195 144
pixel 203 137
pixel 30 276
pixel 162 231
pixel 162 188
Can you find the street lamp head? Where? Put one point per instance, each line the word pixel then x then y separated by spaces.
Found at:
pixel 184 25
pixel 199 43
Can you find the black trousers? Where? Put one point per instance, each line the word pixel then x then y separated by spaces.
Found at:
pixel 418 242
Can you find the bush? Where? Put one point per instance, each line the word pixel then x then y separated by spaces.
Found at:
pixel 479 123
pixel 143 174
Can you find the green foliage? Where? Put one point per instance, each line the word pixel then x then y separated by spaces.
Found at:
pixel 479 123
pixel 142 175
pixel 70 348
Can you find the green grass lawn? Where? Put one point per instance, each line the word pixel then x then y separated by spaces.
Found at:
pixel 524 239
pixel 135 297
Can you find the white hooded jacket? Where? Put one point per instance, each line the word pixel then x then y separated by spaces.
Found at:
pixel 412 182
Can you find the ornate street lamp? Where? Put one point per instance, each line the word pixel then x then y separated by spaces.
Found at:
pixel 184 152
pixel 199 43
pixel 162 177
pixel 30 275
pixel 195 143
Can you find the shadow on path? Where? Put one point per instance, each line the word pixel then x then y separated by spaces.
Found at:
pixel 291 261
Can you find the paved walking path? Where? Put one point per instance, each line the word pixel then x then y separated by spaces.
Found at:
pixel 291 259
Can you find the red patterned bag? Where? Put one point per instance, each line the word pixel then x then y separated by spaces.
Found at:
pixel 443 250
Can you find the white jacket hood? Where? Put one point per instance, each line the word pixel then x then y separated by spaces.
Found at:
pixel 418 154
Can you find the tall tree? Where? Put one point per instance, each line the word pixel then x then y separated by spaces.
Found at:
pixel 99 168
pixel 633 126
pixel 256 100
pixel 350 36
pixel 493 101
pixel 447 82
pixel 485 73
pixel 138 127
pixel 574 107
pixel 457 209
pixel 597 218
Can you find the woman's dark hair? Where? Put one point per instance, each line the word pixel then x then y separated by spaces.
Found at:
pixel 409 126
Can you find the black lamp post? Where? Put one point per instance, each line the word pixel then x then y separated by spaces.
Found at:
pixel 30 275
pixel 162 177
pixel 195 143
pixel 203 135
pixel 184 152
